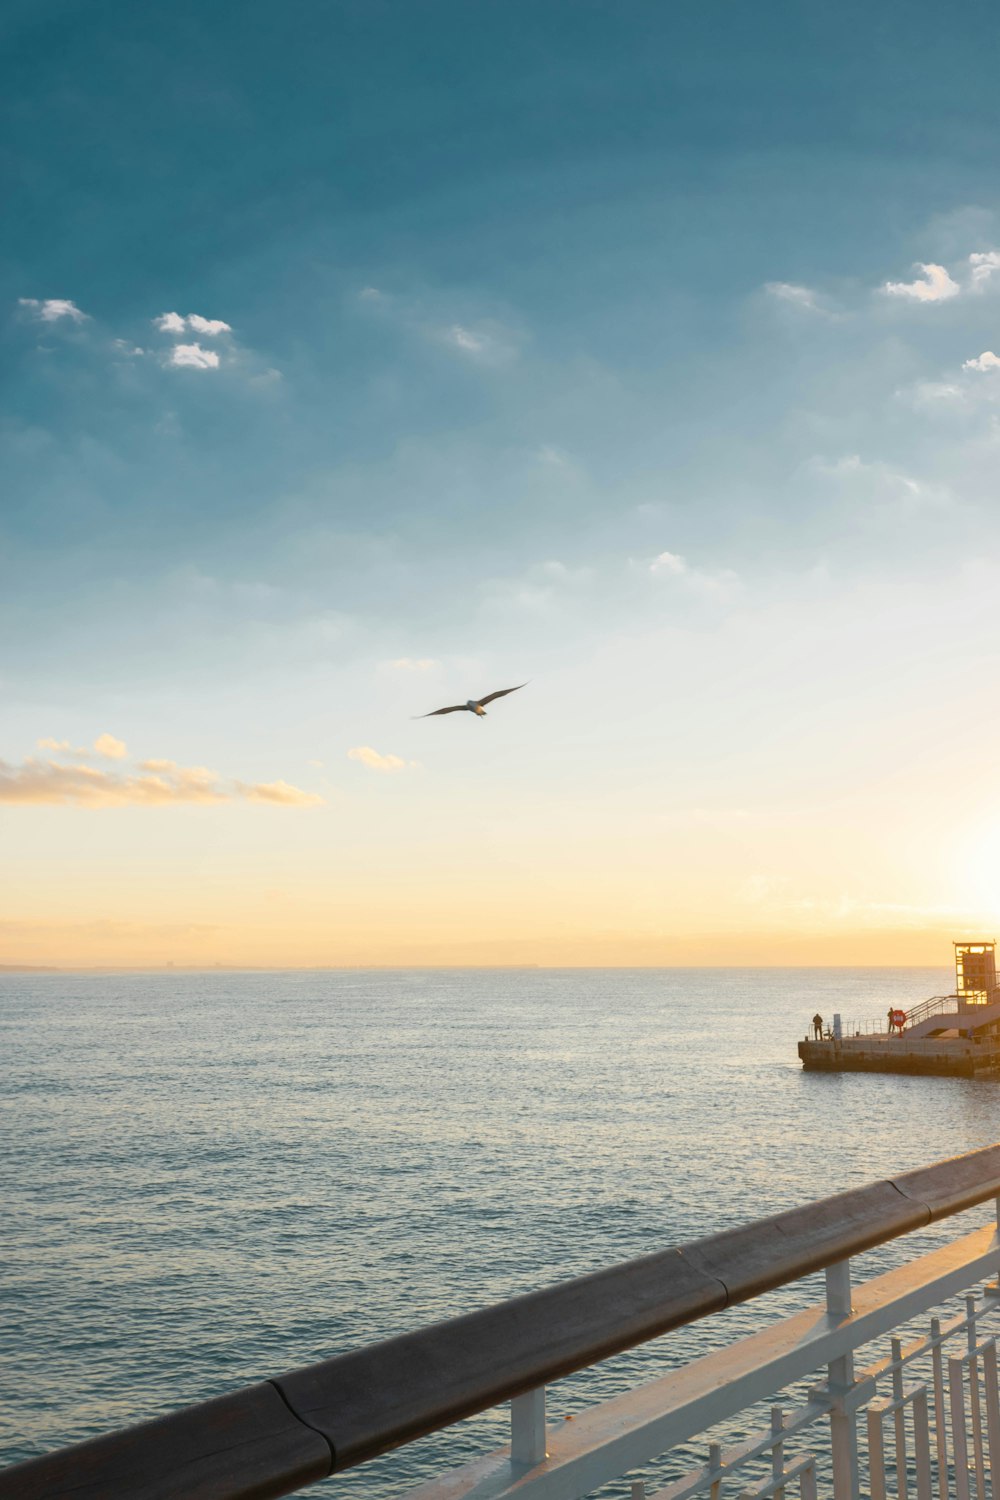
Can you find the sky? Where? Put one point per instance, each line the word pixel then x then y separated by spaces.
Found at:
pixel 361 358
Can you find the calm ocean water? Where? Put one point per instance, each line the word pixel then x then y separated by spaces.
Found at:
pixel 212 1178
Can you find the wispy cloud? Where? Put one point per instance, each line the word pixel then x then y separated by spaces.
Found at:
pixel 153 783
pixel 52 309
pixel 983 264
pixel 482 341
pixel 983 362
pixel 193 357
pixel 934 286
pixel 280 793
pixel 486 344
pixel 374 761
pixel 716 583
pixel 105 744
pixel 795 296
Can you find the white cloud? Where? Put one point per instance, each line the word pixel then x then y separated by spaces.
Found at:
pixel 371 294
pixel 668 563
pixel 374 761
pixel 212 327
pixel 983 362
pixel 174 323
pixel 53 308
pixel 169 323
pixel 193 357
pixel 983 264
pixel 107 745
pixel 935 286
pixel 798 296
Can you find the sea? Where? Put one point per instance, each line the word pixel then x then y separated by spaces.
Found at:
pixel 212 1178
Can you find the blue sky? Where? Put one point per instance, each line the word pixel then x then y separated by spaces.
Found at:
pixel 581 342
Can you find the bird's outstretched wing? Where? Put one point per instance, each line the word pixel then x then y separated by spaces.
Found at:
pixel 502 693
pixel 454 709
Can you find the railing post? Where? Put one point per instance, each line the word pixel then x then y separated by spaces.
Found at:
pixel 843 1424
pixel 527 1428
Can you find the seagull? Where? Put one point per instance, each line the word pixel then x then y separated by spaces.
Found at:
pixel 474 705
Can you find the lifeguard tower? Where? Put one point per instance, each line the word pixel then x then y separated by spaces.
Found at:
pixel 976 973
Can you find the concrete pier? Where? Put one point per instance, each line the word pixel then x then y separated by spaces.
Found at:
pixel 958 1057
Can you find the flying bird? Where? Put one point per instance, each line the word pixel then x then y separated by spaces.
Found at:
pixel 474 705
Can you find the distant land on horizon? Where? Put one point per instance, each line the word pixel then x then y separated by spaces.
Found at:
pixel 355 968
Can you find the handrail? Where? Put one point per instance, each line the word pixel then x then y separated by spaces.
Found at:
pixel 271 1439
pixel 936 1006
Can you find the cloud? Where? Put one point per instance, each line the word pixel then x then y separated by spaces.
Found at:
pixel 668 563
pixel 465 339
pixel 52 309
pixel 106 744
pixel 193 357
pixel 279 793
pixel 983 362
pixel 38 781
pixel 936 286
pixel 983 264
pixel 880 476
pixel 486 345
pixel 174 323
pixel 169 323
pixel 798 296
pixel 154 783
pixel 411 664
pixel 371 294
pixel 716 585
pixel 375 762
pixel 211 327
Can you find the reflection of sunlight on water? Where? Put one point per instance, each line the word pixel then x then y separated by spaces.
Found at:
pixel 215 1178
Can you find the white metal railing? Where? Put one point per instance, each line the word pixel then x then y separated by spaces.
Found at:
pixel 927 1408
pixel 934 1433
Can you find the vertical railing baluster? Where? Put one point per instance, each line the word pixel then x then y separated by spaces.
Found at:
pixel 876 1455
pixel 940 1428
pixel 638 1489
pixel 956 1383
pixel 975 1407
pixel 843 1426
pixel 922 1445
pixel 990 1386
pixel 807 1483
pixel 527 1428
pixel 777 1452
pixel 714 1464
pixel 899 1419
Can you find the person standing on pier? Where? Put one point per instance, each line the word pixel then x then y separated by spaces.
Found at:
pixel 818 1027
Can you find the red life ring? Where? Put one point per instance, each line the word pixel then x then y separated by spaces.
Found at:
pixel 899 1019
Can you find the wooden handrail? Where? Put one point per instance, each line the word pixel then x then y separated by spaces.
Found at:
pixel 273 1438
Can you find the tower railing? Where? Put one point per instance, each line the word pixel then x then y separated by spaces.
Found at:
pixel 922 1419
